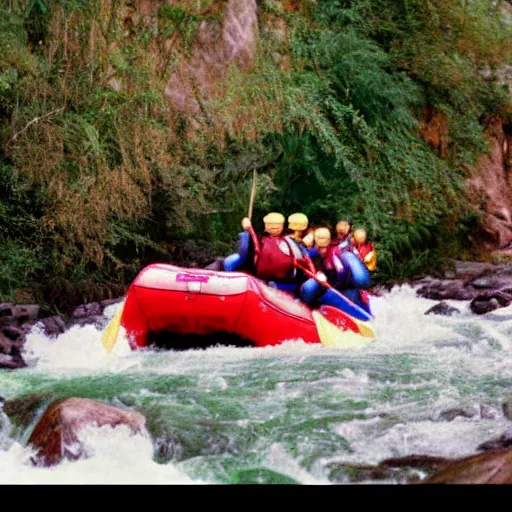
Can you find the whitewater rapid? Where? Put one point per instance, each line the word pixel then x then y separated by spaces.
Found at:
pixel 432 362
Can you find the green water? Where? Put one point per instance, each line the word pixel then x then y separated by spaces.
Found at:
pixel 291 414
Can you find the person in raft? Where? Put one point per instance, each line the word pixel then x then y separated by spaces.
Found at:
pixel 364 249
pixel 325 256
pixel 342 269
pixel 298 231
pixel 270 257
pixel 343 234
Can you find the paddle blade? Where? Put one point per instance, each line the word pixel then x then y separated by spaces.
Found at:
pixel 365 329
pixel 344 322
pixel 333 337
pixel 109 336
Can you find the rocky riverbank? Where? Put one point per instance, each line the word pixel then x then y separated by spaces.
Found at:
pixel 16 321
pixel 488 286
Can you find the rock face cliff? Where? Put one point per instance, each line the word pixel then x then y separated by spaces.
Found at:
pixel 218 45
pixel 226 36
pixel 489 186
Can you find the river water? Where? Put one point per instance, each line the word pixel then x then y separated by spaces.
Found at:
pixel 295 413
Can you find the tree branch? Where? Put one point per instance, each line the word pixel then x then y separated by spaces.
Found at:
pixel 17 134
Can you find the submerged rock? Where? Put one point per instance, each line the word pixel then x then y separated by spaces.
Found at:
pixel 423 462
pixel 442 309
pixel 55 437
pixel 401 469
pixel 493 467
pixel 451 414
pixel 502 442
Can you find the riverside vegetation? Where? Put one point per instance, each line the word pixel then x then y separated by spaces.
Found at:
pixel 101 174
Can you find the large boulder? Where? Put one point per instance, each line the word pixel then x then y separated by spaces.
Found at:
pixel 56 436
pixel 443 289
pixel 489 301
pixel 493 467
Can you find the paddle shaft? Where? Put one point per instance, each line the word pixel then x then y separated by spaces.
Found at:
pixel 253 194
pixel 325 284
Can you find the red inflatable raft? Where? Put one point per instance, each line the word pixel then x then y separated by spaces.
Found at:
pixel 169 299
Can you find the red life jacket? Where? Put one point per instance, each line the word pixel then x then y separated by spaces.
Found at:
pixel 328 257
pixel 275 260
pixel 361 250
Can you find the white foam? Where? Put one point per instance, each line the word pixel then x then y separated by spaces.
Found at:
pixel 114 456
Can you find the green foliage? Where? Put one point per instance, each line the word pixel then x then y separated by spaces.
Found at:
pixel 100 175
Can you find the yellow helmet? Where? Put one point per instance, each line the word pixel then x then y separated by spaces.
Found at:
pixel 273 218
pixel 297 222
pixel 322 237
pixel 360 235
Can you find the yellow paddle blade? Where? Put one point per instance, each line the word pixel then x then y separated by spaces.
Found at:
pixel 332 337
pixel 109 336
pixel 364 328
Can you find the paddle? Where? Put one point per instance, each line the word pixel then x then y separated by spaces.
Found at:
pixel 253 194
pixel 335 316
pixel 251 231
pixel 323 283
pixel 109 336
pixel 332 337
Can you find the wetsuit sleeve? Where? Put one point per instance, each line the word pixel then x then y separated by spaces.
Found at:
pixel 244 258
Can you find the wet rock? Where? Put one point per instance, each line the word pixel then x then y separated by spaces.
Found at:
pixel 401 469
pixel 442 309
pixel 502 442
pixel 443 289
pixel 55 437
pixel 483 303
pixel 26 312
pixel 13 333
pixel 507 409
pixel 423 462
pixel 495 282
pixel 493 467
pixel 6 344
pixel 96 320
pixel 168 449
pixel 12 361
pixel 6 309
pixel 467 270
pixel 451 414
pixel 85 310
pixel 346 473
pixel 53 325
